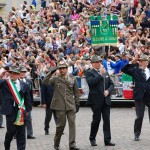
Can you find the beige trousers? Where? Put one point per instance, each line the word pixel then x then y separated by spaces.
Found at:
pixel 61 122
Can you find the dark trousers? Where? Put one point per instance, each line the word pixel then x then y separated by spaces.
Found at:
pixel 1 117
pixel 99 110
pixel 12 130
pixel 48 117
pixel 29 124
pixel 139 109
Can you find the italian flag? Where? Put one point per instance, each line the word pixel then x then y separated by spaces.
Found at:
pixel 20 102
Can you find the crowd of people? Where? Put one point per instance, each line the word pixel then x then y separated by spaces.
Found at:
pixel 60 30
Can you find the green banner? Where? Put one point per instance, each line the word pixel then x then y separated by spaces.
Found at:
pixel 104 30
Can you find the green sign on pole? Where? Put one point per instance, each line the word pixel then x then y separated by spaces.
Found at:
pixel 104 30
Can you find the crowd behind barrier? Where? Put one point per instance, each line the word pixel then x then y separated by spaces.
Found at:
pixel 61 30
pixel 124 84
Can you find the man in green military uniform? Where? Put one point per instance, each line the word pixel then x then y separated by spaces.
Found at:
pixel 65 102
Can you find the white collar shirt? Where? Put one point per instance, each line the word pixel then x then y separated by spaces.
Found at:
pixel 147 72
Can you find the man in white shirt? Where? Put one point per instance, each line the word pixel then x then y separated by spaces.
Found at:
pixel 14 94
pixel 138 68
pixel 28 117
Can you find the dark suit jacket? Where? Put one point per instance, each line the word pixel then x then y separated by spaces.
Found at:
pixel 29 83
pixel 8 100
pixel 48 93
pixel 96 87
pixel 142 86
pixel 1 96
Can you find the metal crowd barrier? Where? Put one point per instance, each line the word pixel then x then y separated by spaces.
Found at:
pixel 83 89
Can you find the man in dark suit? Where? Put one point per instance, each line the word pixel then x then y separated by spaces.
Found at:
pixel 46 102
pixel 100 89
pixel 14 94
pixel 141 74
pixel 28 122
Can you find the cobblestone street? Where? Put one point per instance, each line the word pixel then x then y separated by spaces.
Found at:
pixel 122 120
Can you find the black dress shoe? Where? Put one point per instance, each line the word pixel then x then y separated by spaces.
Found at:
pixel 74 148
pixel 56 147
pixel 136 138
pixel 46 132
pixel 30 137
pixel 93 143
pixel 109 144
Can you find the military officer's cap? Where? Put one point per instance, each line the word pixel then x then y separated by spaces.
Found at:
pixel 22 69
pixel 14 69
pixel 62 64
pixel 95 58
pixel 86 57
pixel 144 58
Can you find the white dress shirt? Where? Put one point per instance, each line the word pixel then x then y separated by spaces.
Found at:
pixel 18 85
pixel 18 88
pixel 147 72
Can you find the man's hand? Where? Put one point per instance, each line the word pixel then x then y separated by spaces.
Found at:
pixel 3 73
pixel 134 61
pixel 102 70
pixel 119 74
pixel 53 70
pixel 77 108
pixel 106 93
pixel 43 106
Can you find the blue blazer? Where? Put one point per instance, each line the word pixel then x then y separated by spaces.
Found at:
pixel 97 83
pixel 8 100
pixel 142 86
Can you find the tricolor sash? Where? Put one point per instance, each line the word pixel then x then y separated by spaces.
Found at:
pixel 20 101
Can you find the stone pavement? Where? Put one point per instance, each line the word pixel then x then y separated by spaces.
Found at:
pixel 122 120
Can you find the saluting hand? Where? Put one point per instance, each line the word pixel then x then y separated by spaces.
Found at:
pixel 102 70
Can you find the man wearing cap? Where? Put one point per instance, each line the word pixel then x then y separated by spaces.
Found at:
pixel 14 105
pixel 141 74
pixel 100 89
pixel 28 122
pixel 65 102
